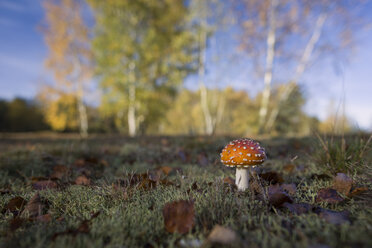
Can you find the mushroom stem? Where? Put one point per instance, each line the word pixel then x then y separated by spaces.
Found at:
pixel 242 178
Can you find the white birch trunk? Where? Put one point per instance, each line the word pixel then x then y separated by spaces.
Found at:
pixel 242 178
pixel 79 91
pixel 268 76
pixel 83 117
pixel 299 70
pixel 209 129
pixel 132 129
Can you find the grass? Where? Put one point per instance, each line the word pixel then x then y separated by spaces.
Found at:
pixel 132 216
pixel 344 154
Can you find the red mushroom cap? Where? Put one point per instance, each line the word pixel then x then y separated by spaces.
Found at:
pixel 243 153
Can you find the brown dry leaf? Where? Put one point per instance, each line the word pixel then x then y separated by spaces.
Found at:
pixel 60 171
pixel 272 176
pixel 35 207
pixel 15 205
pixel 320 176
pixel 298 208
pixel 222 235
pixel 333 217
pixel 84 227
pixel 79 162
pixel 166 170
pixel 328 195
pixel 82 180
pixel 43 218
pixel 45 184
pixel 135 179
pixel 38 179
pixel 147 184
pixel 15 223
pixel 165 182
pixel 179 216
pixel 342 183
pixel 289 168
pixel 357 191
pixel 229 181
pixel 159 172
pixel 104 163
pixel 277 197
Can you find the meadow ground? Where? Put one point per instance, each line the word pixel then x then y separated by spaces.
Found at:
pixel 112 191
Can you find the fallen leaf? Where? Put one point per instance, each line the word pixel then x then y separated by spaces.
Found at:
pixel 82 180
pixel 135 179
pixel 45 184
pixel 277 197
pixel 222 235
pixel 342 183
pixel 35 207
pixel 166 170
pixel 272 177
pixel 328 195
pixel 357 191
pixel 229 181
pixel 165 182
pixel 320 176
pixel 15 223
pixel 84 228
pixel 59 171
pixel 289 168
pixel 45 218
pixel 15 205
pixel 333 217
pixel 38 179
pixel 147 184
pixel 104 163
pixel 298 208
pixel 179 216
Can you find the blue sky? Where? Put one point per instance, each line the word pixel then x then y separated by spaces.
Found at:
pixel 22 54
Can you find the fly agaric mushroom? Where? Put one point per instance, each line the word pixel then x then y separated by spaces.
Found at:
pixel 243 154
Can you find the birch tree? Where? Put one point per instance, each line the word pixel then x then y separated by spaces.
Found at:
pixel 141 47
pixel 67 38
pixel 293 31
pixel 265 27
pixel 210 16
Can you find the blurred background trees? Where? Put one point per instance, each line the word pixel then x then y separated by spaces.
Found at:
pixel 143 51
pixel 70 60
pixel 21 115
pixel 140 55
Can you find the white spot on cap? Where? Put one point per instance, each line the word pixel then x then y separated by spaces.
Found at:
pixel 234 149
pixel 248 154
pixel 252 147
pixel 244 147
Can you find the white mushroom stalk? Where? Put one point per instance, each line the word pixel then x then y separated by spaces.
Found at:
pixel 242 178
